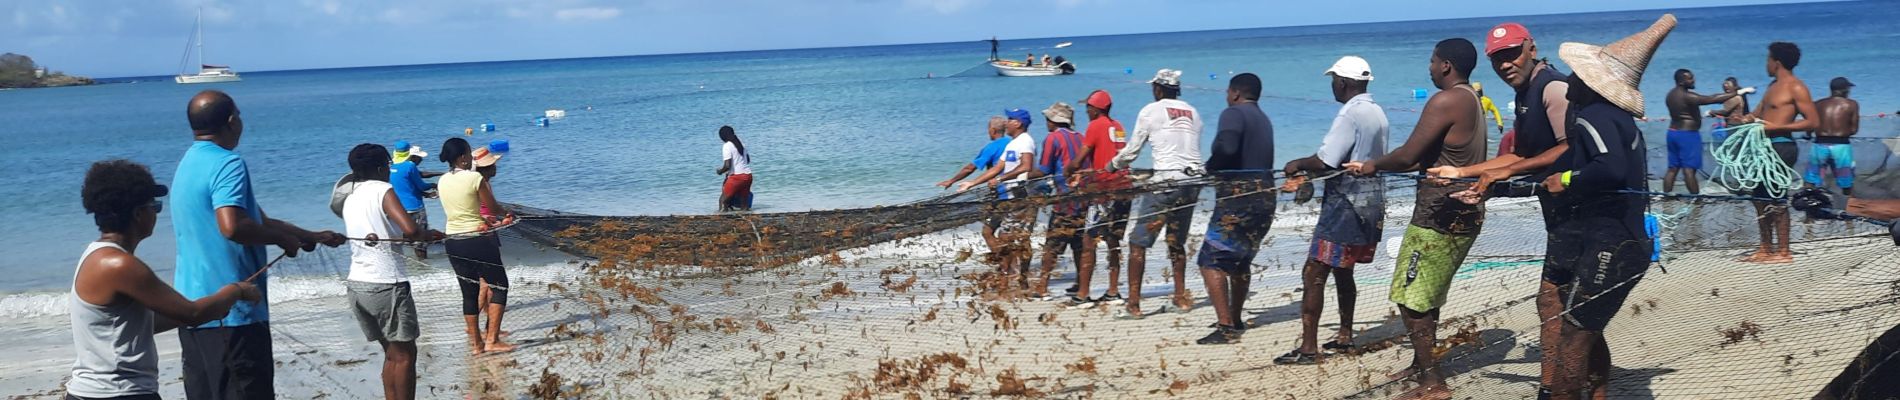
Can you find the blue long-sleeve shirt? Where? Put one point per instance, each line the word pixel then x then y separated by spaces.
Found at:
pixel 409 185
pixel 1244 140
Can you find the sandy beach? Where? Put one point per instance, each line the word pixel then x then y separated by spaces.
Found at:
pixel 898 319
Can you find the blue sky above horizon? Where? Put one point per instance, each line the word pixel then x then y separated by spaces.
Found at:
pixel 142 38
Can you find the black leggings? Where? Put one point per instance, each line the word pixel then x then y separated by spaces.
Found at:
pixel 474 259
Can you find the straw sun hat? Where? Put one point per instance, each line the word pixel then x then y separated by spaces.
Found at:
pixel 1616 70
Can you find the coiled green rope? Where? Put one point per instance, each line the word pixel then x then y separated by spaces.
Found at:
pixel 1749 162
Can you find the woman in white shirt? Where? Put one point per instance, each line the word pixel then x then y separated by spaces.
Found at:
pixel 737 167
pixel 379 293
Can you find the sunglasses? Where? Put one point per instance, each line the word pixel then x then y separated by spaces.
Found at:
pixel 157 206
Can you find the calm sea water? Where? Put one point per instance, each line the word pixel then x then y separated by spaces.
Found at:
pixel 829 128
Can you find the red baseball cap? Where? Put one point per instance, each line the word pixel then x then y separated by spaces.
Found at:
pixel 1100 99
pixel 1504 36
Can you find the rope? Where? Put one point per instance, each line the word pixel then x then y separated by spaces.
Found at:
pixel 1749 162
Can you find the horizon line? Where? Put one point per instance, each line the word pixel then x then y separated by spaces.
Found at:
pixel 742 51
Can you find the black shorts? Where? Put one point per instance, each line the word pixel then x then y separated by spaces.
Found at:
pixel 1108 220
pixel 228 362
pixel 1594 264
pixel 1788 152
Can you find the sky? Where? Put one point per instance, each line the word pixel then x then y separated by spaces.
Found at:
pixel 112 38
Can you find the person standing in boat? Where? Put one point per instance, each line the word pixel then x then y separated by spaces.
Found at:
pixel 737 167
pixel 117 303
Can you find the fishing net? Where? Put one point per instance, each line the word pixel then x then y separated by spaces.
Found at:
pixel 906 301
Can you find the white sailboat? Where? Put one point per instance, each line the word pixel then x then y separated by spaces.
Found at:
pixel 207 73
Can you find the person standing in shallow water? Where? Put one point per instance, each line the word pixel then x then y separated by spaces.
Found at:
pixel 117 303
pixel 1832 153
pixel 1685 130
pixel 475 259
pixel 221 233
pixel 1450 132
pixel 1787 98
pixel 737 167
pixel 1242 156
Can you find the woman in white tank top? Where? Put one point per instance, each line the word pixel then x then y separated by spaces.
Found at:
pixel 117 302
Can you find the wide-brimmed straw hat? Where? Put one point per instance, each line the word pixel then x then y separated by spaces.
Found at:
pixel 1616 70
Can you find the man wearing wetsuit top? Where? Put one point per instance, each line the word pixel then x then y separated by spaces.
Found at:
pixel 984 159
pixel 1242 157
pixel 1840 120
pixel 1450 132
pixel 1685 130
pixel 1603 248
pixel 1108 218
pixel 1786 99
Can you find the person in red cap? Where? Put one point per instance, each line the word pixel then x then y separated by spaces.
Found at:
pixel 1539 138
pixel 1108 218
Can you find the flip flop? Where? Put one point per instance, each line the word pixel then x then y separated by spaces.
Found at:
pixel 1127 316
pixel 1295 357
pixel 1339 348
pixel 1113 300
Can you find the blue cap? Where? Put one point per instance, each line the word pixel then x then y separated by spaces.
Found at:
pixel 498 145
pixel 1019 115
pixel 402 146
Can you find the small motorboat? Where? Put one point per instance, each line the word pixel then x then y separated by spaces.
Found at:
pixel 1017 68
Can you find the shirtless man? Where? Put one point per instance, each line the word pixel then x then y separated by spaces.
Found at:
pixel 1450 132
pixel 1840 120
pixel 1735 108
pixel 1786 99
pixel 1685 130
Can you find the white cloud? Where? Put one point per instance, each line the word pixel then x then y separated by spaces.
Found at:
pixel 587 13
pixel 942 6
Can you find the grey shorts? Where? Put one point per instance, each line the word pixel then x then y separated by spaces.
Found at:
pixel 421 217
pixel 1172 210
pixel 386 311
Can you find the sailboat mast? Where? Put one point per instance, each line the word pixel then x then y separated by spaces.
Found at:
pixel 200 35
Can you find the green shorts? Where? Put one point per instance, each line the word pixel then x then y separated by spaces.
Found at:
pixel 1427 261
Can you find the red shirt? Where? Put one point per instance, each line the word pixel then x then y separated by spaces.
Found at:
pixel 1107 137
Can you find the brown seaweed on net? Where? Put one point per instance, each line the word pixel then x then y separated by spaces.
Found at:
pixel 1011 383
pixel 1747 330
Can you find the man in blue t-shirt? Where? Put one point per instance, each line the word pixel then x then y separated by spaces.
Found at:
pixel 984 159
pixel 405 176
pixel 221 234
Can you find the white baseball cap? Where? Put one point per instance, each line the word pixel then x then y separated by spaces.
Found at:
pixel 1167 77
pixel 1351 67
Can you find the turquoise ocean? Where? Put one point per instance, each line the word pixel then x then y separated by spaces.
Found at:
pixel 828 128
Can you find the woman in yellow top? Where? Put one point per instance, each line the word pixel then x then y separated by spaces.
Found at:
pixel 474 253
